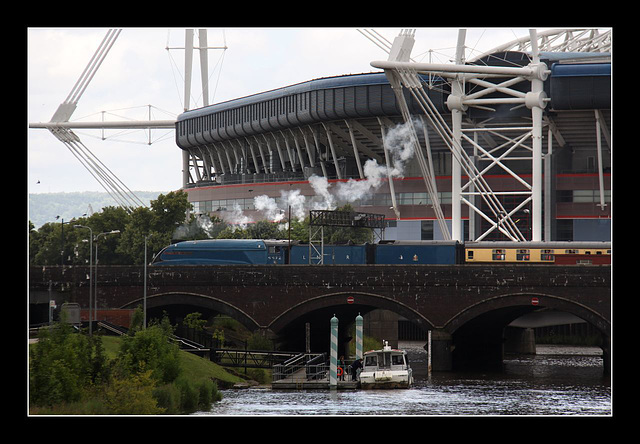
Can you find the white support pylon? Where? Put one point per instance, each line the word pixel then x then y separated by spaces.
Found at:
pixel 535 101
pixel 457 90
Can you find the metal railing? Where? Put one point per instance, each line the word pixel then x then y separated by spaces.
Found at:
pixel 305 368
pixel 249 358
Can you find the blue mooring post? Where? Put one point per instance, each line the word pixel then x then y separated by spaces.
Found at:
pixel 333 363
pixel 359 322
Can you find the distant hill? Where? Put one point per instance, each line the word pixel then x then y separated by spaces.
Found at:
pixel 44 207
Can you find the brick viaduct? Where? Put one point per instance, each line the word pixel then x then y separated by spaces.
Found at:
pixel 465 306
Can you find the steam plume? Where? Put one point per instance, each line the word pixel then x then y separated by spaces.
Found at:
pixel 400 146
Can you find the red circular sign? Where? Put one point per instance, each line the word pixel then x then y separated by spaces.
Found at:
pixel 534 301
pixel 350 300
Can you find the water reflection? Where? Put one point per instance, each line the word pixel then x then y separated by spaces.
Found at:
pixel 556 381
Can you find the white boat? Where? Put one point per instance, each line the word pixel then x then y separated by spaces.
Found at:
pixel 386 368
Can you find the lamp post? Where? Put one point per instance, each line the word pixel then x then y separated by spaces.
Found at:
pixel 90 272
pixel 62 222
pixel 95 293
pixel 144 296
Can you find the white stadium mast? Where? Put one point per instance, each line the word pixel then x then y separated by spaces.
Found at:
pixel 61 127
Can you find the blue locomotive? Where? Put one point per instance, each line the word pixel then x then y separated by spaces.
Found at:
pixel 223 252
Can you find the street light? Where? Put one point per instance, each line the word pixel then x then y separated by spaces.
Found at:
pixel 62 222
pixel 90 272
pixel 95 307
pixel 144 295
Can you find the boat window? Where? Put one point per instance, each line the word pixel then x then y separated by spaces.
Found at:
pixel 371 360
pixel 397 360
pixel 384 361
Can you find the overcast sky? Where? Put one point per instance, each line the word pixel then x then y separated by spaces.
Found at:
pixel 139 71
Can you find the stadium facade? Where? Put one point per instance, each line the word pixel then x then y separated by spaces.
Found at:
pixel 331 141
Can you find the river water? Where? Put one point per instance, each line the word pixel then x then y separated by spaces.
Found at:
pixel 558 380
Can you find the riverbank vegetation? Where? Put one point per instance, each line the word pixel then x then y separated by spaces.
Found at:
pixel 141 373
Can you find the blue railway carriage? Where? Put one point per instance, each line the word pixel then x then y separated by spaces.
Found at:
pixel 333 254
pixel 223 252
pixel 418 252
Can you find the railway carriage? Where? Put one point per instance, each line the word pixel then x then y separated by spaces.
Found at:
pixel 559 253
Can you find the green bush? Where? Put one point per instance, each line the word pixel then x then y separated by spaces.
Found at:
pixel 258 341
pixel 189 395
pixel 259 375
pixel 64 366
pixel 132 395
pixel 168 398
pixel 150 349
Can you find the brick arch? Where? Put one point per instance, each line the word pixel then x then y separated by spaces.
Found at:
pixel 522 303
pixel 197 300
pixel 340 299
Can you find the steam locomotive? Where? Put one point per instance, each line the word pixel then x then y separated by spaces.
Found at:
pixel 391 252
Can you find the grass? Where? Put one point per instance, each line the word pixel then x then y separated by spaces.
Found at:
pixel 194 367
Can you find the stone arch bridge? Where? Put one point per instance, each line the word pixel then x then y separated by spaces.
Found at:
pixel 465 306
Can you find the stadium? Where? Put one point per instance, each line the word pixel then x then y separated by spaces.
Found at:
pixel 370 141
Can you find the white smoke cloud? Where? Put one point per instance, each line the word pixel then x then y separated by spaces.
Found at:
pixel 400 146
pixel 321 187
pixel 188 230
pixel 236 218
pixel 269 207
pixel 296 201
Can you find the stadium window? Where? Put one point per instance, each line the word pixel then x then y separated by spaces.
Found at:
pixel 405 199
pixel 426 230
pixel 583 195
pixel 420 198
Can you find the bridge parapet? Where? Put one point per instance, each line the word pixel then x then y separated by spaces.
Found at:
pixel 436 293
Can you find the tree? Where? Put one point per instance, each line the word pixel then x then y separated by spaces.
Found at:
pixel 149 350
pixel 64 365
pixel 168 211
pixel 165 214
pixel 157 223
pixel 192 320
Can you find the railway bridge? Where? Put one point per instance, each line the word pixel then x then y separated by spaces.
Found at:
pixel 466 307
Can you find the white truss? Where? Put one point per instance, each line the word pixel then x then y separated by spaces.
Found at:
pixel 559 40
pixel 404 73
